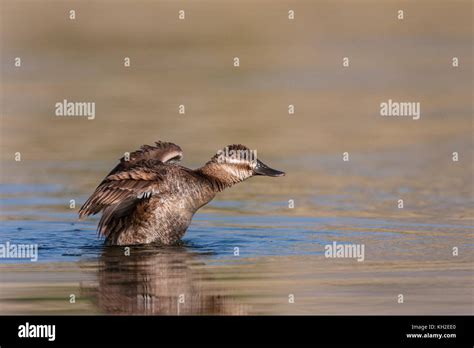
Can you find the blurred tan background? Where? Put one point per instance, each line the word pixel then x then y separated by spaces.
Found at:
pixel 190 62
pixel 282 62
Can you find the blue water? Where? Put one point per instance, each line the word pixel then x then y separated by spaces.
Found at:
pixel 38 214
pixel 215 235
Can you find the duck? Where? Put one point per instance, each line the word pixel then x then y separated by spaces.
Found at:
pixel 148 197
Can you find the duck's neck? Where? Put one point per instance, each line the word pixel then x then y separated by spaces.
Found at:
pixel 219 176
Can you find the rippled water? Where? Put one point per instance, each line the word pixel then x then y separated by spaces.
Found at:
pixel 279 254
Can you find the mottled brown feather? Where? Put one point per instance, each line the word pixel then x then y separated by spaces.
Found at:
pixel 162 151
pixel 131 180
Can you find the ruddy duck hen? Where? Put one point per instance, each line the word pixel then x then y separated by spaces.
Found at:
pixel 150 198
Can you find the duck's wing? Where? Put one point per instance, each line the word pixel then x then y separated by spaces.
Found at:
pixel 136 178
pixel 120 192
pixel 162 151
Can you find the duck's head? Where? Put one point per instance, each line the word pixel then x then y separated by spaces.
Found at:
pixel 235 163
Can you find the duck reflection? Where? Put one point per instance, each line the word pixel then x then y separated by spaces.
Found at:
pixel 164 280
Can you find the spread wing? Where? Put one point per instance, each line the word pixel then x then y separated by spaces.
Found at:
pixel 162 151
pixel 119 193
pixel 130 183
pixel 121 187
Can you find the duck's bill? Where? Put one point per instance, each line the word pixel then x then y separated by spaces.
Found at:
pixel 263 169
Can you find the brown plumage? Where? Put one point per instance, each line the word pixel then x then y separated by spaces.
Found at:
pixel 149 198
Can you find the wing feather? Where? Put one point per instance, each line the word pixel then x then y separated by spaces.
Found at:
pixel 162 151
pixel 129 183
pixel 115 191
